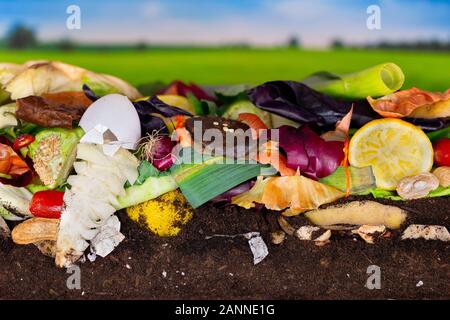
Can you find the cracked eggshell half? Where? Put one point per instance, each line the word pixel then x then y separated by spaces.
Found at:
pixel 117 113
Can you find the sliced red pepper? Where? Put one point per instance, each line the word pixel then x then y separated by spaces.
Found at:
pixel 47 204
pixel 22 141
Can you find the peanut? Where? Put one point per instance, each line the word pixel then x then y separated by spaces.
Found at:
pixel 34 230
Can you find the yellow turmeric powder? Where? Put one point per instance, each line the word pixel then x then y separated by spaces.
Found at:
pixel 165 215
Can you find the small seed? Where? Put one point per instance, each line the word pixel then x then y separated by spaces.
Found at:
pixel 278 237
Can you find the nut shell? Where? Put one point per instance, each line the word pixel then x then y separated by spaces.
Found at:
pixel 418 186
pixel 35 230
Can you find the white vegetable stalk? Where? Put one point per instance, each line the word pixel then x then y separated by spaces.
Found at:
pixel 92 198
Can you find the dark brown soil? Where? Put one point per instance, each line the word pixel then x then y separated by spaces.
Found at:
pixel 222 268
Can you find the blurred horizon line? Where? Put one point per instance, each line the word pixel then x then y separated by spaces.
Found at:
pixel 20 36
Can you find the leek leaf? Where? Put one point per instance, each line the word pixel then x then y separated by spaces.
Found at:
pixel 376 81
pixel 201 181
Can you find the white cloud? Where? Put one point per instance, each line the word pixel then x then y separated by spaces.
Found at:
pixel 153 9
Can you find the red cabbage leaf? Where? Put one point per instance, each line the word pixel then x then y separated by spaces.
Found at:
pixel 308 152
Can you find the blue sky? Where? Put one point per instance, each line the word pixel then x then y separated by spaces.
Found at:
pixel 261 22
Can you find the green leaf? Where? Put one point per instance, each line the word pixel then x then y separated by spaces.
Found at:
pixel 392 195
pixel 384 194
pixel 439 134
pixel 145 170
pixel 361 179
pixel 202 107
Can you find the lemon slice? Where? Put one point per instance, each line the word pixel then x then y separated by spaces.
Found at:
pixel 394 148
pixel 177 101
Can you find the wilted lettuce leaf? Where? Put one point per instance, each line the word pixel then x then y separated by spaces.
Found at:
pixel 392 195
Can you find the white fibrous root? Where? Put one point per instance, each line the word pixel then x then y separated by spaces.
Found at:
pixel 443 175
pixel 427 232
pixel 92 198
pixel 418 186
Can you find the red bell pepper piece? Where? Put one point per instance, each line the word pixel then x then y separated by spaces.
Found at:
pixel 22 141
pixel 47 204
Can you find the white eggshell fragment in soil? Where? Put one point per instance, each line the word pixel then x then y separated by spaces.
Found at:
pixel 118 114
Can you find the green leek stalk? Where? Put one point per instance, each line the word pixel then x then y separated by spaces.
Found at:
pixel 376 81
pixel 152 188
pixel 201 182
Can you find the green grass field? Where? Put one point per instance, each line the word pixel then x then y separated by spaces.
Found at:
pixel 425 70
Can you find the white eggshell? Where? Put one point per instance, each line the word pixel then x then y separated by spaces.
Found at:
pixel 116 112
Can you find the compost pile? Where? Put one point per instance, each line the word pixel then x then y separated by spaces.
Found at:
pixel 330 157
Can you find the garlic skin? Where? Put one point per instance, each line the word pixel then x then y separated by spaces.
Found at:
pixel 443 175
pixel 418 186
